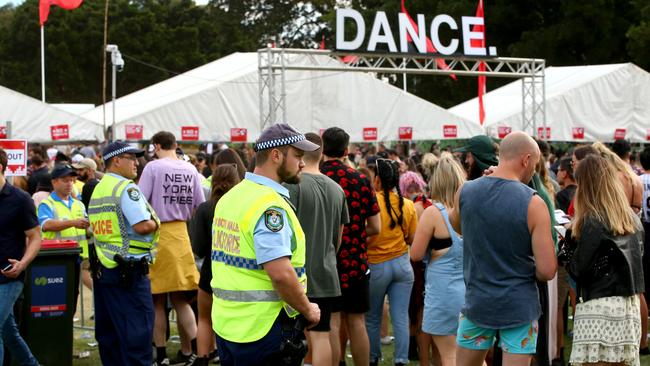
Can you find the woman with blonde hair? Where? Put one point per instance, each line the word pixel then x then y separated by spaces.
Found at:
pixel 606 264
pixel 434 237
pixel 632 186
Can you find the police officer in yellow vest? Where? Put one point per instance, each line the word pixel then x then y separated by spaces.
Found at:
pixel 258 256
pixel 125 229
pixel 63 217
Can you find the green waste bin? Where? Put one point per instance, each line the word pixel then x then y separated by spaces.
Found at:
pixel 48 300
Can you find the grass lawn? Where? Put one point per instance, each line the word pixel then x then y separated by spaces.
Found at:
pixel 85 344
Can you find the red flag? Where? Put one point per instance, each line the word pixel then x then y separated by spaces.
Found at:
pixel 430 48
pixel 481 66
pixel 322 43
pixel 44 7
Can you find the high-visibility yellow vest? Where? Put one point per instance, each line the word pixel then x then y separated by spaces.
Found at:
pixel 110 226
pixel 206 183
pixel 77 187
pixel 245 305
pixel 62 212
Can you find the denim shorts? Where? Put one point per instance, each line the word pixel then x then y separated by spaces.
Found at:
pixel 518 340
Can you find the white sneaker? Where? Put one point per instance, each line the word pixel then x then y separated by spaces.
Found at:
pixel 387 340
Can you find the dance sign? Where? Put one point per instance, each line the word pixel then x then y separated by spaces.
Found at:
pixel 418 31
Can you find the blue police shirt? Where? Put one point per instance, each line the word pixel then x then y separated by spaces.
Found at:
pixel 270 245
pixel 46 213
pixel 134 209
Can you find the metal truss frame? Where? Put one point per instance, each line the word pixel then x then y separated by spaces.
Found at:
pixel 273 64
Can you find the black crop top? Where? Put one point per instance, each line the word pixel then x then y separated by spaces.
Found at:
pixel 439 244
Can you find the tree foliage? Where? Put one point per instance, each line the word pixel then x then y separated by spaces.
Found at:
pixel 159 38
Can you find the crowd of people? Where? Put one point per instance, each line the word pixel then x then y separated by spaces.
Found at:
pixel 294 248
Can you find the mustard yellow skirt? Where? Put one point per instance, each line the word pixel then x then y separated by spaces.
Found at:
pixel 174 268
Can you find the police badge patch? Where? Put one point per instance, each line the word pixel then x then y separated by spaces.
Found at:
pixel 134 193
pixel 273 220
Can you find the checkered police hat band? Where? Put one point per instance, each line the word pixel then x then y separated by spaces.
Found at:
pixel 279 142
pixel 118 152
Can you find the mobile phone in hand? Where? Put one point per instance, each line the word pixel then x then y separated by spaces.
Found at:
pixel 8 267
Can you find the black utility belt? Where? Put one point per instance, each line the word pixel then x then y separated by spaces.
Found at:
pixel 133 265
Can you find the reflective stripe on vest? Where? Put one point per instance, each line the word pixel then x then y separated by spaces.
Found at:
pixel 61 212
pixel 247 296
pixel 241 262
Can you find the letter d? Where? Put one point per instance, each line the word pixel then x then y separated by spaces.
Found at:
pixel 341 43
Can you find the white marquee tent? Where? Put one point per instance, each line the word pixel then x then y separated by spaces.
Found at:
pixel 583 103
pixel 224 94
pixel 36 121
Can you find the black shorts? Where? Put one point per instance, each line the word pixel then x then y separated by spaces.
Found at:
pixel 355 298
pixel 326 304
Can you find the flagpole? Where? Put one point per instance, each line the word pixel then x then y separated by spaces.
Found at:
pixel 42 64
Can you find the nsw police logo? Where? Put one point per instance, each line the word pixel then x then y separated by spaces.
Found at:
pixel 273 220
pixel 134 193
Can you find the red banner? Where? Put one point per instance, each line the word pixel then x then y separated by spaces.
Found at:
pixel 541 135
pixel 405 133
pixel 60 132
pixel 370 134
pixel 619 134
pixel 16 157
pixel 134 132
pixel 578 133
pixel 504 131
pixel 238 135
pixel 449 131
pixel 190 133
pixel 647 135
pixel 3 132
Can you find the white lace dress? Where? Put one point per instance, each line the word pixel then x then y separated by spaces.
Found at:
pixel 607 330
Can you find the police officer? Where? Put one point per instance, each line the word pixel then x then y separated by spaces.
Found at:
pixel 258 259
pixel 126 231
pixel 63 217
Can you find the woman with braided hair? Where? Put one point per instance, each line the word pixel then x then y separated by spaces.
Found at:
pixel 390 269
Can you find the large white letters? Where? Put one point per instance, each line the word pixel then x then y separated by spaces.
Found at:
pixel 381 23
pixel 468 36
pixel 341 43
pixel 435 38
pixel 406 29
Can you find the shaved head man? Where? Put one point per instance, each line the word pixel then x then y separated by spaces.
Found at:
pixel 508 245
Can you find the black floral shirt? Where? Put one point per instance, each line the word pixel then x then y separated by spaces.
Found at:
pixel 352 258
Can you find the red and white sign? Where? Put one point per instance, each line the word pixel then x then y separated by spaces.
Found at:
pixel 190 133
pixel 543 136
pixel 3 132
pixel 504 131
pixel 405 133
pixel 449 131
pixel 370 134
pixel 647 135
pixel 619 134
pixel 578 133
pixel 134 132
pixel 16 157
pixel 238 135
pixel 321 131
pixel 60 132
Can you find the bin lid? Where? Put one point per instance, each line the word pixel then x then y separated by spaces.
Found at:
pixel 48 244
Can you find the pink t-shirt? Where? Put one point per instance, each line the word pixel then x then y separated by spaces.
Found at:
pixel 172 187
